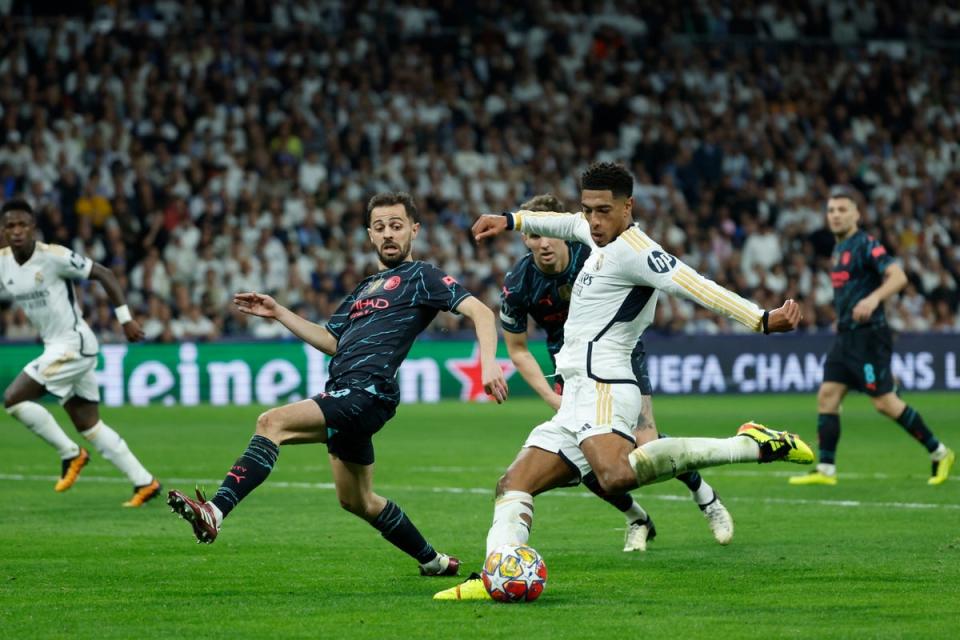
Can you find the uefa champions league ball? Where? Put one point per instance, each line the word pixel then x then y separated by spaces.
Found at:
pixel 514 573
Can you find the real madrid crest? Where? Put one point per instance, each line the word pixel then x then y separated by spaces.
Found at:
pixel 38 278
pixel 598 263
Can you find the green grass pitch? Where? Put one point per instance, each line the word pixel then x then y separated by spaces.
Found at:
pixel 876 556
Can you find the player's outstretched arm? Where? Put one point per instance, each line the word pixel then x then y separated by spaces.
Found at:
pixel 567 226
pixel 529 369
pixel 656 268
pixel 110 284
pixel 263 306
pixel 484 324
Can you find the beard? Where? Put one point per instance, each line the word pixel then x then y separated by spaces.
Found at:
pixel 392 261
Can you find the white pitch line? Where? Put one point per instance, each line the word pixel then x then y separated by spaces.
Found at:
pixel 565 493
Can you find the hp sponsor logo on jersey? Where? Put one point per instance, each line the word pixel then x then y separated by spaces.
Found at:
pixel 661 262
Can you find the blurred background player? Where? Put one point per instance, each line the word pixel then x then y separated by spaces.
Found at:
pixel 39 277
pixel 864 276
pixel 369 336
pixel 612 301
pixel 539 285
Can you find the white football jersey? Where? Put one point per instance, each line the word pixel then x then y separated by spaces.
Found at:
pixel 43 288
pixel 615 296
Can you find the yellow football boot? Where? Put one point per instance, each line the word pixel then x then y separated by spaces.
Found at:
pixel 70 470
pixel 777 445
pixel 941 468
pixel 814 477
pixel 144 494
pixel 471 589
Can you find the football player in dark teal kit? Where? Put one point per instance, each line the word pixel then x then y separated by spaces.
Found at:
pixel 368 337
pixel 863 276
pixel 539 286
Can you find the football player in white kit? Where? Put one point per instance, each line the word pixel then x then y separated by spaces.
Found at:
pixel 612 302
pixel 39 277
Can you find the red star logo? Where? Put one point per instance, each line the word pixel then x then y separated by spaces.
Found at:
pixel 470 374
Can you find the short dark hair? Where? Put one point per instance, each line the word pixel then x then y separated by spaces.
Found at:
pixel 390 198
pixel 543 202
pixel 608 176
pixel 17 205
pixel 850 193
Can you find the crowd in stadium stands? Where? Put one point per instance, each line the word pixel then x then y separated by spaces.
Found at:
pixel 199 149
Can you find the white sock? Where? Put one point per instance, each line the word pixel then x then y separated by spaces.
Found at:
pixel 439 563
pixel 666 458
pixel 112 447
pixel 42 423
pixel 508 526
pixel 704 494
pixel 939 453
pixel 634 513
pixel 217 514
pixel 827 469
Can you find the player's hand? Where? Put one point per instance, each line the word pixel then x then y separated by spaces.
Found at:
pixel 784 319
pixel 865 308
pixel 256 304
pixel 494 383
pixel 488 226
pixel 133 331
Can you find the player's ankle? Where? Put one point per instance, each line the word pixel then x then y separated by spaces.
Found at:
pixel 827 468
pixel 217 514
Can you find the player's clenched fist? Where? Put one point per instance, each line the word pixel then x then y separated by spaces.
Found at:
pixel 786 318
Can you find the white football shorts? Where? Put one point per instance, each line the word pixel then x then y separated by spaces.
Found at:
pixel 587 408
pixel 65 373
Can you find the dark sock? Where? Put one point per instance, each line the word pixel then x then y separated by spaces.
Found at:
pixel 396 527
pixel 692 479
pixel 828 433
pixel 913 423
pixel 247 473
pixel 622 502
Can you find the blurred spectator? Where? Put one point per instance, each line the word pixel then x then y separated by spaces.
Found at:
pixel 204 148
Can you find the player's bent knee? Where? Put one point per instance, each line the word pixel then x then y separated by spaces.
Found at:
pixel 269 425
pixel 616 481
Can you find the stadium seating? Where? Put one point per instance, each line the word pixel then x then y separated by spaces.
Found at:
pixel 197 150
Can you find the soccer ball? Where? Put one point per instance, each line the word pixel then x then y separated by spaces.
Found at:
pixel 514 573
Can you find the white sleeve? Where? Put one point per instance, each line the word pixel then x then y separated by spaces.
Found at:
pixel 567 226
pixel 68 264
pixel 656 268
